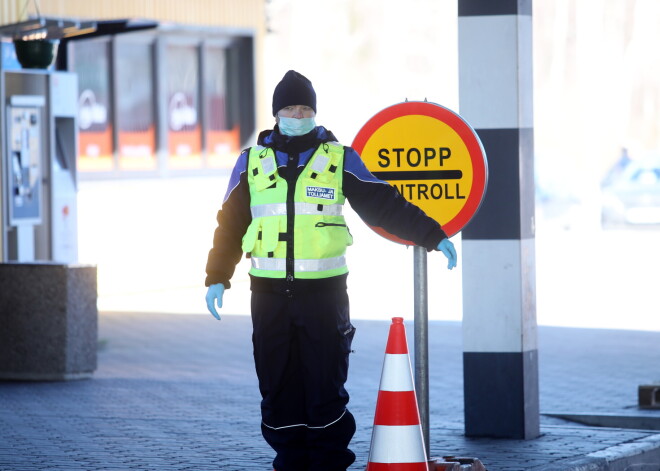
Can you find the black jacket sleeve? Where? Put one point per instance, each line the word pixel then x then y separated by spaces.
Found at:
pixel 233 219
pixel 380 205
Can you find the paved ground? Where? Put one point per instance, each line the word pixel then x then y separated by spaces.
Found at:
pixel 178 392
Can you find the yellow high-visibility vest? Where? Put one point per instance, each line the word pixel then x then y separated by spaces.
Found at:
pixel 319 232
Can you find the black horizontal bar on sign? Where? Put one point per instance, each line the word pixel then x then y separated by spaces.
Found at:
pixel 420 175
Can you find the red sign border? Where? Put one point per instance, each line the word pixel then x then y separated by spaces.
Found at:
pixel 467 135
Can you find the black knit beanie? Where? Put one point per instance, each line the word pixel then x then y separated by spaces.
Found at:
pixel 293 89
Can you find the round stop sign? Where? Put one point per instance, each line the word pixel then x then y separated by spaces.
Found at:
pixel 432 156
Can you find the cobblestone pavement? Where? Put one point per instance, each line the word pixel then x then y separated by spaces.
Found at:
pixel 178 392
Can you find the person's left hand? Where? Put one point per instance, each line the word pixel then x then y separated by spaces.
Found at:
pixel 447 247
pixel 214 297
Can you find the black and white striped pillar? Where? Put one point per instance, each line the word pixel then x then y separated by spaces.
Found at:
pixel 500 352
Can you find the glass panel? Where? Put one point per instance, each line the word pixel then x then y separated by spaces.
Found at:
pixel 184 134
pixel 135 106
pixel 91 61
pixel 222 141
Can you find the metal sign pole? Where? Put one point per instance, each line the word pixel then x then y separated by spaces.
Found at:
pixel 422 340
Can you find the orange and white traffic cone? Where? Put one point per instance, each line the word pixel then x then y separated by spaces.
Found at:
pixel 397 443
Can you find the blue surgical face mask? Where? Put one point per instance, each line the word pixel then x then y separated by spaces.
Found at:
pixel 295 126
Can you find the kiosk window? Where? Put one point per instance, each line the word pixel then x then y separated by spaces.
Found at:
pixel 184 131
pixel 91 61
pixel 136 141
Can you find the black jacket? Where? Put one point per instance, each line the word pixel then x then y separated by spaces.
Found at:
pixel 378 204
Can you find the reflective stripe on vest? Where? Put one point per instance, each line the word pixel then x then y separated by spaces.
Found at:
pixel 279 264
pixel 279 209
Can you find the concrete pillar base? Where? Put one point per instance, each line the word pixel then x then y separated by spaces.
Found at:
pixel 49 321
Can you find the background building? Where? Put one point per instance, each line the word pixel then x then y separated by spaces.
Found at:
pixel 596 87
pixel 164 87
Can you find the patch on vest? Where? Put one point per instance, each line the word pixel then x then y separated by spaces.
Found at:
pixel 321 192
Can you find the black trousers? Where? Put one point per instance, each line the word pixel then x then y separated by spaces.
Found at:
pixel 301 348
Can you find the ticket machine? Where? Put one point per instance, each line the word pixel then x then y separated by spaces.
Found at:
pixel 38 179
pixel 24 184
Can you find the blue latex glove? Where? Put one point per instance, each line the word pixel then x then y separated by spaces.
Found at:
pixel 447 247
pixel 213 297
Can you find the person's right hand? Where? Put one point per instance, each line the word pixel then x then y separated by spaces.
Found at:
pixel 213 297
pixel 447 247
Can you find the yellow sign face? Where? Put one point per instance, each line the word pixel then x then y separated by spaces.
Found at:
pixel 425 160
pixel 431 156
